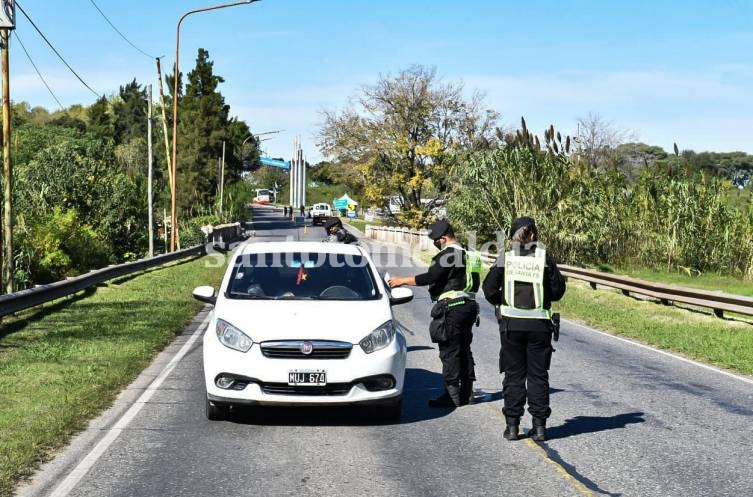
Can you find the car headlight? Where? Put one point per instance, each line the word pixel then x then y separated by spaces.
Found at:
pixel 232 337
pixel 379 338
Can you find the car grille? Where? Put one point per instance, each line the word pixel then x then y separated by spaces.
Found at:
pixel 285 389
pixel 291 349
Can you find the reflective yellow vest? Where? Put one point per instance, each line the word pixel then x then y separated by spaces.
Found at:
pixel 527 269
pixel 472 265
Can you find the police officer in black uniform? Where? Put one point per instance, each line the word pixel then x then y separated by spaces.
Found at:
pixel 336 233
pixel 526 325
pixel 453 278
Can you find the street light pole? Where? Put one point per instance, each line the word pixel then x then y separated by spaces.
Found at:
pixel 255 135
pixel 7 256
pixel 173 203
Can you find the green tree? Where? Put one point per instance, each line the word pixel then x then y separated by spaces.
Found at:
pixel 403 136
pixel 70 179
pixel 632 158
pixel 100 120
pixel 238 132
pixel 202 127
pixel 67 121
pixel 129 111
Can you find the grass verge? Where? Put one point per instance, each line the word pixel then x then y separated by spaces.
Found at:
pixel 705 281
pixel 727 343
pixel 359 224
pixel 62 364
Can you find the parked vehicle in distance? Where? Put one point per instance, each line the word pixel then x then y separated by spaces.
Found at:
pixel 263 196
pixel 319 213
pixel 303 323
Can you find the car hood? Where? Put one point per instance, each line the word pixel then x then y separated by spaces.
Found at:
pixel 264 320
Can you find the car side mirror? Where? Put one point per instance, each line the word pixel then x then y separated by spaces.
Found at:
pixel 401 295
pixel 205 294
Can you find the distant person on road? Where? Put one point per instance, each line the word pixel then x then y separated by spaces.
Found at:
pixel 336 233
pixel 290 211
pixel 303 210
pixel 285 211
pixel 453 279
pixel 523 284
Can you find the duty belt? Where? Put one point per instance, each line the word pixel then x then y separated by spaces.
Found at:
pixel 456 294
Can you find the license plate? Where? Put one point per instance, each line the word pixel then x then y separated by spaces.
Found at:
pixel 307 378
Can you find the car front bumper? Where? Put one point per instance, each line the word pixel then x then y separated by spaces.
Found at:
pixel 265 377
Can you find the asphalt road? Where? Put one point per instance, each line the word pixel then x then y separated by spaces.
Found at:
pixel 626 421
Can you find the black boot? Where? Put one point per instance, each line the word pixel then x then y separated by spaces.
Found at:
pixel 512 429
pixel 454 391
pixel 443 400
pixel 538 432
pixel 449 398
pixel 466 392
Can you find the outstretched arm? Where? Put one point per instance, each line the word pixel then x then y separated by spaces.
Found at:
pixel 402 280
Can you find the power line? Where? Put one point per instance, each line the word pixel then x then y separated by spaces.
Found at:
pixel 55 50
pixel 118 31
pixel 18 39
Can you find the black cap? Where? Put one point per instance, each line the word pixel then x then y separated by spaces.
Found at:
pixel 521 222
pixel 332 221
pixel 439 229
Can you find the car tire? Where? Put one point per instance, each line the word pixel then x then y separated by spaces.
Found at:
pixel 390 412
pixel 215 412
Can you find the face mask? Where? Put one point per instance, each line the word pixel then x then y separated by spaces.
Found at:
pixel 438 243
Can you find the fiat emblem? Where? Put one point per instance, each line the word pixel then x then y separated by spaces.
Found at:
pixel 307 348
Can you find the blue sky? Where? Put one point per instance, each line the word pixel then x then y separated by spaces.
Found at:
pixel 661 71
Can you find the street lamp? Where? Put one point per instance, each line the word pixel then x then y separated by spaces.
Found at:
pixel 259 134
pixel 173 212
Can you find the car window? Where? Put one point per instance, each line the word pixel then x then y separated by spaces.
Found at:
pixel 297 276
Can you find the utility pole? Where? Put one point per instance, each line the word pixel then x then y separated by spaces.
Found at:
pixel 167 146
pixel 222 176
pixel 164 123
pixel 150 162
pixel 7 23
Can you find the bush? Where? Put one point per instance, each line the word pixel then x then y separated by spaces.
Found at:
pixel 670 218
pixel 54 246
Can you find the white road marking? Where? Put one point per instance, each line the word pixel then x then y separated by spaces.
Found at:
pixel 663 352
pixel 91 458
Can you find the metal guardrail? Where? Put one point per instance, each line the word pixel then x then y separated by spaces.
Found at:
pixel 667 294
pixel 25 299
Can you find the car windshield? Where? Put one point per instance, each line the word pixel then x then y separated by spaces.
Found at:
pixel 297 276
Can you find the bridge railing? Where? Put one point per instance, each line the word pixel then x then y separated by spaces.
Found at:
pixel 25 299
pixel 667 294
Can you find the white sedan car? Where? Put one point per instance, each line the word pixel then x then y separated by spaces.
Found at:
pixel 303 323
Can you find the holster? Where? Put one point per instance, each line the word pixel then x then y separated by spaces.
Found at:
pixel 555 325
pixel 438 325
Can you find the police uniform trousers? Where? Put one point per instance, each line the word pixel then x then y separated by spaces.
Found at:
pixel 455 352
pixel 525 358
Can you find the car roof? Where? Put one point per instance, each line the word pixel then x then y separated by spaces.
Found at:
pixel 291 246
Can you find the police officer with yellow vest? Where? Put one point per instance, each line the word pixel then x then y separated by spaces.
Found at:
pixel 453 279
pixel 523 284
